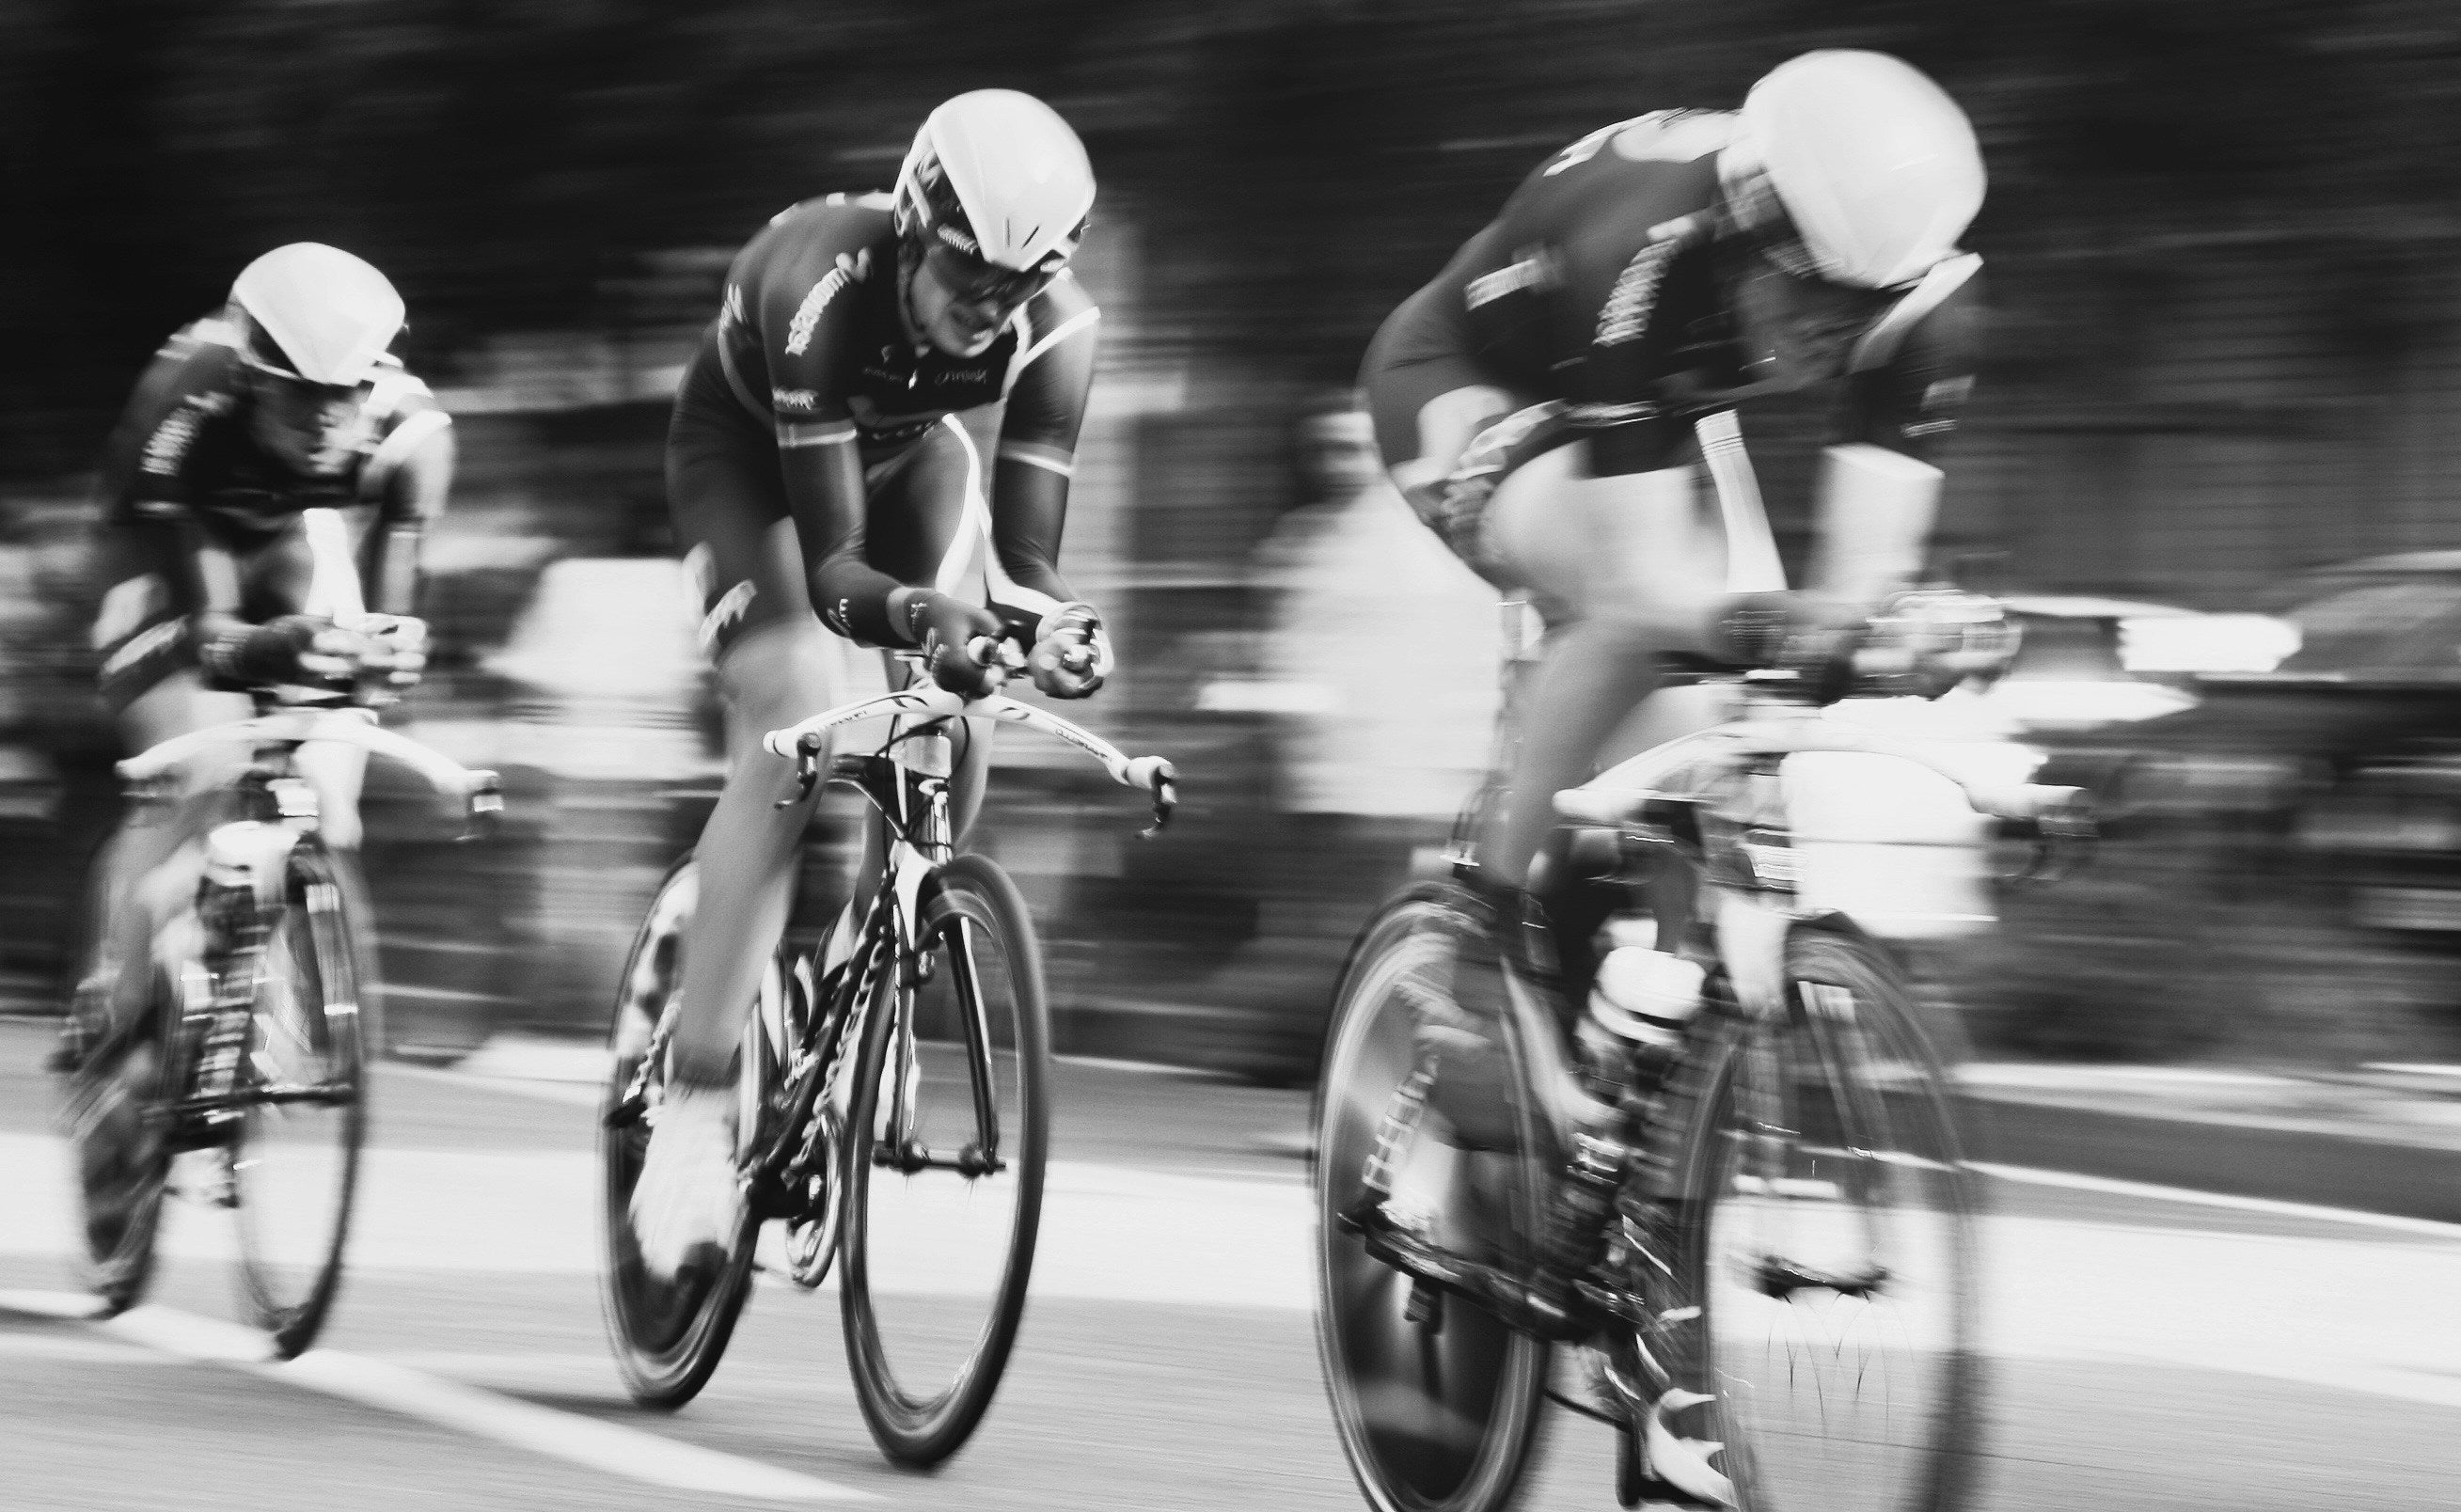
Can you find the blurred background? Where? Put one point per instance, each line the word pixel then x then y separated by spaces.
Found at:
pixel 2212 464
pixel 2209 458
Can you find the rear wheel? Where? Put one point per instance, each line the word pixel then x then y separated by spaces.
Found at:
pixel 944 1163
pixel 303 1086
pixel 1437 1407
pixel 668 1335
pixel 1825 1227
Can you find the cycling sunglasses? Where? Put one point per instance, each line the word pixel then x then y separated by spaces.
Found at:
pixel 972 281
pixel 265 360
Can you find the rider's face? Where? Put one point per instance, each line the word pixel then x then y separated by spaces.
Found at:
pixel 961 310
pixel 1797 330
pixel 312 428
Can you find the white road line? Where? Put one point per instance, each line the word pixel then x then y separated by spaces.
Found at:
pixel 2393 1222
pixel 76 1306
pixel 607 1447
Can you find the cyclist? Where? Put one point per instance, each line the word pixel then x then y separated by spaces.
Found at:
pixel 820 469
pixel 1533 404
pixel 227 496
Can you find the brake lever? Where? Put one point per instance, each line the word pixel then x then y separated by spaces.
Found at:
pixel 807 771
pixel 482 805
pixel 1166 798
pixel 2063 842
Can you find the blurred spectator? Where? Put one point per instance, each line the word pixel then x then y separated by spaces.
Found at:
pixel 1381 650
pixel 1376 669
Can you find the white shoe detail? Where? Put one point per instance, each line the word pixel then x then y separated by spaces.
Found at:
pixel 689 1197
pixel 1684 1463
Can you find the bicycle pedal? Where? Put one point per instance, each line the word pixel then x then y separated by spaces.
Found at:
pixel 1425 1306
pixel 627 1112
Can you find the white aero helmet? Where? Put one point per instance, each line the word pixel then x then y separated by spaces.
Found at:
pixel 317 311
pixel 1873 162
pixel 998 178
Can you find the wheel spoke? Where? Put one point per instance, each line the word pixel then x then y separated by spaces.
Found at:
pixel 301 1100
pixel 1833 1259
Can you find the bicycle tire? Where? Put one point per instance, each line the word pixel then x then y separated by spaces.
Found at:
pixel 1834 1128
pixel 921 1431
pixel 1469 1366
pixel 667 1338
pixel 120 1199
pixel 289 1279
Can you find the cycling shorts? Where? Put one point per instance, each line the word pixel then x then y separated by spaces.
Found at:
pixel 925 523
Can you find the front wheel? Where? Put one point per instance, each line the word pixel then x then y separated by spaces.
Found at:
pixel 1439 1405
pixel 1824 1221
pixel 303 1090
pixel 943 1166
pixel 116 1132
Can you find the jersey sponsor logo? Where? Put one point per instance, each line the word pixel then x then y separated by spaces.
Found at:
pixel 807 314
pixel 725 612
pixel 1602 416
pixel 1535 271
pixel 795 398
pixel 169 443
pixel 1627 310
pixel 1947 392
pixel 961 375
pixel 130 604
pixel 162 637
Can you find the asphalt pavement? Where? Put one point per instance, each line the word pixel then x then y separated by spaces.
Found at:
pixel 2152 1346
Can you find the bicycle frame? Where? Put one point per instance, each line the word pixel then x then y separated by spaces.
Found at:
pixel 240 892
pixel 1729 775
pixel 907 783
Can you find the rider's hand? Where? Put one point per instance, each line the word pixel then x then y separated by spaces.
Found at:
pixel 394 645
pixel 945 630
pixel 295 649
pixel 1925 641
pixel 1807 634
pixel 1071 653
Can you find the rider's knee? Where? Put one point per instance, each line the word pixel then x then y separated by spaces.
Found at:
pixel 779 672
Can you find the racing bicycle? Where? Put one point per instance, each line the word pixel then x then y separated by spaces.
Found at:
pixel 894 1114
pixel 1760 1274
pixel 254 1056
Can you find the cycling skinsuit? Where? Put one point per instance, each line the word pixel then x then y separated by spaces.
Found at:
pixel 1600 301
pixel 811 351
pixel 183 478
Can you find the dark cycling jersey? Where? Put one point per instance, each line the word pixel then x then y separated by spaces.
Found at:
pixel 200 523
pixel 183 444
pixel 814 346
pixel 1600 284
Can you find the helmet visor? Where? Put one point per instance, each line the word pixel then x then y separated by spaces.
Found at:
pixel 972 281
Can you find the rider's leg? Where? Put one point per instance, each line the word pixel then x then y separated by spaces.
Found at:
pixel 774 675
pixel 1631 576
pixel 774 668
pixel 150 682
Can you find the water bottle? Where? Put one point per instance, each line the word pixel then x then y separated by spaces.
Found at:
pixel 1638 1008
